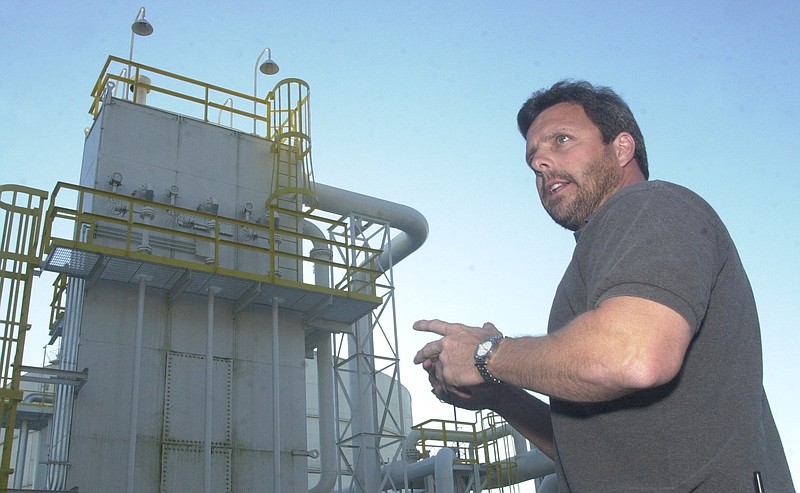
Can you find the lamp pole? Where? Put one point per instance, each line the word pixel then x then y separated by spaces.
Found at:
pixel 139 27
pixel 268 68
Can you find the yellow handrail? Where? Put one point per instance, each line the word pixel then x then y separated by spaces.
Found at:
pixel 21 211
pixel 207 96
pixel 90 230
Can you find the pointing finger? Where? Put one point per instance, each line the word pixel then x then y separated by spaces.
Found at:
pixel 436 326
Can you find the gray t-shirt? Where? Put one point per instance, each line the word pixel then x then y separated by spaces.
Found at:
pixel 710 428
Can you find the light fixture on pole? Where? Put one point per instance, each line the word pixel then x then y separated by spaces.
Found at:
pixel 140 27
pixel 269 67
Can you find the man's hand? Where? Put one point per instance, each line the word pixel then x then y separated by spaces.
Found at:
pixel 450 361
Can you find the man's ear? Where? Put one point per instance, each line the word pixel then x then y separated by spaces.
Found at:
pixel 624 148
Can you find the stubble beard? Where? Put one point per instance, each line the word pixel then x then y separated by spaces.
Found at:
pixel 597 183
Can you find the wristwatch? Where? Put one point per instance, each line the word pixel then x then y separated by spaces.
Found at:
pixel 483 352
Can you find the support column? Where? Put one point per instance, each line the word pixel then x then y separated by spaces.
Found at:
pixel 276 399
pixel 137 367
pixel 209 388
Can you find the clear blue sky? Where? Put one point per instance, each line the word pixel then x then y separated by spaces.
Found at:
pixel 415 102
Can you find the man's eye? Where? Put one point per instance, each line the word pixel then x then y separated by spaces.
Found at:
pixel 562 138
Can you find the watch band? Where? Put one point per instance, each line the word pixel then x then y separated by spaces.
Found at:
pixel 481 361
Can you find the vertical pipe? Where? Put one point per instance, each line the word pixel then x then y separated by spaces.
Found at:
pixel 22 451
pixel 209 387
pixel 37 483
pixel 137 363
pixel 276 400
pixel 443 471
pixel 62 414
pixel 327 417
pixel 325 384
pixel 365 407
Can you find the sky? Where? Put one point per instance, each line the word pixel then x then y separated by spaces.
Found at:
pixel 415 102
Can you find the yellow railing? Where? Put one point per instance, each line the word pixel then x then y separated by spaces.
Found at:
pixel 285 110
pixel 21 211
pixel 489 446
pixel 290 134
pixel 114 224
pixel 120 73
pixel 460 436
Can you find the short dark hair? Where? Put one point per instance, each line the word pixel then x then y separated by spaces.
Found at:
pixel 602 105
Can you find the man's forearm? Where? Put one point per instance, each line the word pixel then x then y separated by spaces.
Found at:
pixel 529 416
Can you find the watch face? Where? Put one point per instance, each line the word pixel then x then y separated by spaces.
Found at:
pixel 483 348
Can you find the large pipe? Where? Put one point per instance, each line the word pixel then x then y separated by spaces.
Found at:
pixel 533 464
pixel 412 224
pixel 443 471
pixel 440 466
pixel 137 364
pixel 364 407
pixel 327 417
pixel 529 464
pixel 414 231
pixel 62 414
pixel 22 451
pixel 325 396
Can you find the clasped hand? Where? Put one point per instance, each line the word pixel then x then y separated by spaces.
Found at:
pixel 450 361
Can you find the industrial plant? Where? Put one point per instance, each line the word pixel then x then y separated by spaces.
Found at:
pixel 224 323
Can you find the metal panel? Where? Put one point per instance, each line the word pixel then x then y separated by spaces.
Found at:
pixel 184 424
pixel 184 418
pixel 182 469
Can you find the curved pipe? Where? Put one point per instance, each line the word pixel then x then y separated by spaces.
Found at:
pixel 412 224
pixel 530 464
pixel 38 398
pixel 414 232
pixel 534 464
pixel 440 465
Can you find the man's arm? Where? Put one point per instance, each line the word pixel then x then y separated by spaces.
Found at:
pixel 529 416
pixel 623 345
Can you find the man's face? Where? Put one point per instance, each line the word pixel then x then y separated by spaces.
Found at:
pixel 575 171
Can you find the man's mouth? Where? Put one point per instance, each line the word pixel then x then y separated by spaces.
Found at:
pixel 553 188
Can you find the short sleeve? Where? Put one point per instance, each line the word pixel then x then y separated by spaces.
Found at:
pixel 656 243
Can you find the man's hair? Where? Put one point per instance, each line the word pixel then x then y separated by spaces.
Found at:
pixel 602 105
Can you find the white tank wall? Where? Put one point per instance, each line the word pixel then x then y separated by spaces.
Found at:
pixel 155 149
pixel 170 427
pixel 147 145
pixel 152 146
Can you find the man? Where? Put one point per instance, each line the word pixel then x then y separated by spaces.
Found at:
pixel 652 358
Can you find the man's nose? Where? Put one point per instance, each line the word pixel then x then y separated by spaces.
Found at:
pixel 541 161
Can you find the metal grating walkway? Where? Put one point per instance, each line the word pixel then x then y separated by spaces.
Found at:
pixel 316 304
